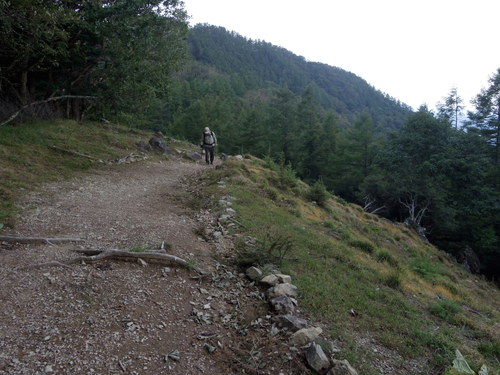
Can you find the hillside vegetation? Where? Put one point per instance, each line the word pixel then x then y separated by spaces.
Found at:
pixel 265 65
pixel 373 284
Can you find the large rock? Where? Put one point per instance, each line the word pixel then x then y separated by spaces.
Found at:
pixel 290 322
pixel 306 336
pixel 469 260
pixel 284 279
pixel 289 290
pixel 144 147
pixel 327 346
pixel 158 144
pixel 283 304
pixel 254 273
pixel 317 359
pixel 270 280
pixel 193 155
pixel 342 368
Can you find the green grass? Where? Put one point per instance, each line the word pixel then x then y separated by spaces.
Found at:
pixel 27 159
pixel 446 309
pixel 363 245
pixel 425 268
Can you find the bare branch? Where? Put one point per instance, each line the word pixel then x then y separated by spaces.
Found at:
pixel 98 255
pixel 15 114
pixel 121 254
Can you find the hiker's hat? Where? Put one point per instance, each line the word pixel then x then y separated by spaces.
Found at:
pixel 207 130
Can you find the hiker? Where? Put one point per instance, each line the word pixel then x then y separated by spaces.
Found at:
pixel 209 142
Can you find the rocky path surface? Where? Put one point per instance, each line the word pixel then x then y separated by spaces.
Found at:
pixel 124 317
pixel 116 317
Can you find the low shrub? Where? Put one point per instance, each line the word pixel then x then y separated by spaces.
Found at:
pixel 393 280
pixel 425 268
pixel 318 193
pixel 489 349
pixel 362 245
pixel 385 256
pixel 445 309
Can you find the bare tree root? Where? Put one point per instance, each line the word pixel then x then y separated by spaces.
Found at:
pixel 90 252
pixel 49 241
pixel 92 256
pixel 121 254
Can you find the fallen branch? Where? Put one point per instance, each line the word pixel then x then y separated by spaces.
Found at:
pixel 16 113
pixel 335 235
pixel 90 252
pixel 122 366
pixel 236 221
pixel 72 152
pixel 121 254
pixel 97 255
pixel 49 241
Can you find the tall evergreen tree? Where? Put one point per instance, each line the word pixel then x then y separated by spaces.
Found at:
pixel 311 137
pixel 486 117
pixel 409 182
pixel 452 107
pixel 357 149
pixel 329 150
pixel 284 123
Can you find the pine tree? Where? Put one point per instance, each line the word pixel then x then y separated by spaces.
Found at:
pixel 486 118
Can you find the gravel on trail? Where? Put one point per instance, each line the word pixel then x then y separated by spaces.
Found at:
pixel 115 317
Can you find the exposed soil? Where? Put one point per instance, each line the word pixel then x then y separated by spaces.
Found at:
pixel 113 316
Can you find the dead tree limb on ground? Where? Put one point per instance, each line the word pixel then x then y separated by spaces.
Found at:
pixel 91 252
pixel 121 254
pixel 92 256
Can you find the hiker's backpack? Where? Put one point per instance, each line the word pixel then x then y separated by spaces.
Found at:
pixel 209 139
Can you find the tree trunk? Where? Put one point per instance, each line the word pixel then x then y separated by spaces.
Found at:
pixel 23 81
pixel 76 109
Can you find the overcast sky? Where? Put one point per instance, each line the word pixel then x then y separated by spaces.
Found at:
pixel 414 51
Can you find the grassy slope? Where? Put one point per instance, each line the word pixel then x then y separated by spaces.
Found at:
pixel 409 296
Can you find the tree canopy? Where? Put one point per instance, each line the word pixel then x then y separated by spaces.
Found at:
pixel 119 52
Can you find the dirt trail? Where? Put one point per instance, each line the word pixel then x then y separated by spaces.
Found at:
pixel 114 317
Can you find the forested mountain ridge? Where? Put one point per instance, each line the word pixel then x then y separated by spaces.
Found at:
pixel 335 89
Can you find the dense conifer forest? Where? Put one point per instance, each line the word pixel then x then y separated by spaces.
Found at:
pixel 271 66
pixel 138 63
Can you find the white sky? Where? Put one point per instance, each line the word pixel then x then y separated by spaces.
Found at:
pixel 413 50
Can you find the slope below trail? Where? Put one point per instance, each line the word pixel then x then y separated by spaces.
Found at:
pixel 118 317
